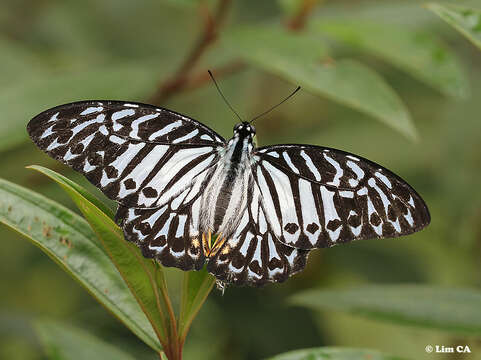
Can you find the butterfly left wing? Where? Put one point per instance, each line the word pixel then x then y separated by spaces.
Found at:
pixel 169 233
pixel 317 197
pixel 253 255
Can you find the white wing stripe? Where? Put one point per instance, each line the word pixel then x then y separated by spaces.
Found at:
pixel 308 209
pixel 330 212
pixel 286 200
pixel 268 202
pixel 311 165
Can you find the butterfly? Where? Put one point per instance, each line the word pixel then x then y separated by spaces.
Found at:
pixel 188 197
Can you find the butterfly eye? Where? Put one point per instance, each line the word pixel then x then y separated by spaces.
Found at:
pixel 236 127
pixel 253 129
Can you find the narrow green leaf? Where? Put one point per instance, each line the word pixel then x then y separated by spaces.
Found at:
pixel 196 287
pixel 68 239
pixel 82 191
pixel 24 99
pixel 466 20
pixel 333 353
pixel 143 276
pixel 302 60
pixel 62 342
pixel 417 52
pixel 450 309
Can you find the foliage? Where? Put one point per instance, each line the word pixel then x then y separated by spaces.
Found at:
pixel 454 310
pixel 64 342
pixel 332 353
pixel 466 20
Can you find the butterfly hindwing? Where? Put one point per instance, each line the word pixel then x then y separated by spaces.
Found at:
pixel 317 197
pixel 253 255
pixel 137 154
pixel 170 233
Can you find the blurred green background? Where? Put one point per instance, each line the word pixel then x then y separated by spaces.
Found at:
pixel 52 52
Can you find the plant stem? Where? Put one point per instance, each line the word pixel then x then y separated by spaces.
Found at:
pixel 298 21
pixel 209 34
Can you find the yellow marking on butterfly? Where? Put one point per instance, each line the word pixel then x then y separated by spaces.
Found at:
pixel 195 242
pixel 212 244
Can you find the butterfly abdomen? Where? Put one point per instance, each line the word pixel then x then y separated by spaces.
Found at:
pixel 224 197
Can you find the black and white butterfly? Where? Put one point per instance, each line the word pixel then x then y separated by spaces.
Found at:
pixel 188 197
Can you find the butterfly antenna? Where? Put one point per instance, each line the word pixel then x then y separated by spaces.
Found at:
pixel 223 97
pixel 272 108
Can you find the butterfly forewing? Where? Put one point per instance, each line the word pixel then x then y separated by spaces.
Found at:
pixel 318 197
pixel 137 154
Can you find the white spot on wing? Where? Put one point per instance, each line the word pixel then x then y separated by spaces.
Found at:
pixel 186 137
pixel 47 132
pixel 357 170
pixel 134 133
pixel 356 230
pixel 91 110
pixel 286 200
pixel 54 117
pixel 384 179
pixel 311 165
pixel 411 201
pixel 122 161
pixel 181 227
pixel 165 130
pixel 152 219
pixel 206 137
pixel 117 140
pixel 308 210
pixel 268 202
pixel 287 158
pixel 330 212
pixel 339 172
pixel 409 217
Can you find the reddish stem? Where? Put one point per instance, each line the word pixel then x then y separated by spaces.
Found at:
pixel 298 22
pixel 209 34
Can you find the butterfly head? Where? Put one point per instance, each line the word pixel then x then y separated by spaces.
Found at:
pixel 245 130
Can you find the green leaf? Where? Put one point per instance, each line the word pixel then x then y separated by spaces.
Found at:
pixel 450 309
pixel 143 276
pixel 333 353
pixel 24 99
pixel 62 342
pixel 68 239
pixel 196 287
pixel 302 60
pixel 87 195
pixel 466 20
pixel 416 52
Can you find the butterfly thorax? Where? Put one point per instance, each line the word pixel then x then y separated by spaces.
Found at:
pixel 225 195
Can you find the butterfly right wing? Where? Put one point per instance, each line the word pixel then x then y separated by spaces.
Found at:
pixel 253 255
pixel 137 154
